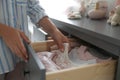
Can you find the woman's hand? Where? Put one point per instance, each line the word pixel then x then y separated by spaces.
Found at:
pixel 59 38
pixel 13 39
pixel 53 31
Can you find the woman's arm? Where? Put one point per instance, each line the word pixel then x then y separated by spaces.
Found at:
pixel 54 32
pixel 38 16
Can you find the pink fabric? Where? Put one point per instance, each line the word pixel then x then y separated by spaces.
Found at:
pixel 46 58
pixel 61 61
pixel 86 55
pixel 55 60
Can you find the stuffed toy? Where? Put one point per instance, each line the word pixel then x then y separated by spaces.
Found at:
pixel 99 12
pixel 117 2
pixel 77 10
pixel 72 11
pixel 114 18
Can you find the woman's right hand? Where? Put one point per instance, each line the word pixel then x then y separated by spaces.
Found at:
pixel 13 39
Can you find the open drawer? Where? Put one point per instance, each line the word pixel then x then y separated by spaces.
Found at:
pixel 98 71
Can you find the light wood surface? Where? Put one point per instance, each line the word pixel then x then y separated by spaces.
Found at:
pixel 42 46
pixel 101 71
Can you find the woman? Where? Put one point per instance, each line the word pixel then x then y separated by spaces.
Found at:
pixel 14 29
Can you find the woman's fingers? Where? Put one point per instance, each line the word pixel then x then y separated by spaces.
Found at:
pixel 25 38
pixel 22 49
pixel 17 48
pixel 59 38
pixel 20 45
pixel 18 53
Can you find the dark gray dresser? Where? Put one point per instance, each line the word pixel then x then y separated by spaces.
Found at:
pixel 96 32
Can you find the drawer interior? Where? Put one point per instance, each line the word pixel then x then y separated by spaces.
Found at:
pixel 98 71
